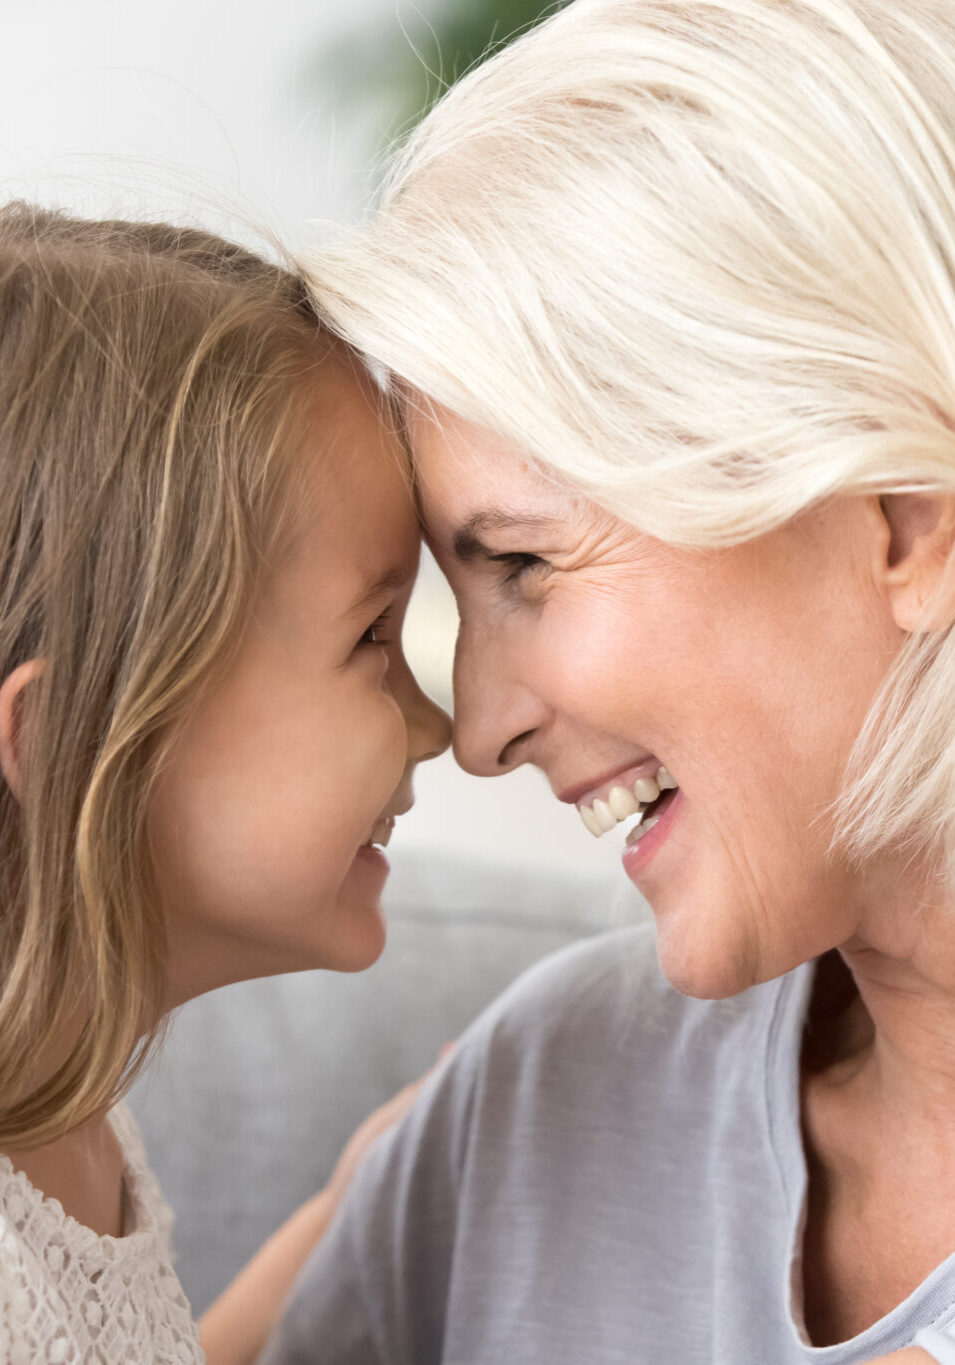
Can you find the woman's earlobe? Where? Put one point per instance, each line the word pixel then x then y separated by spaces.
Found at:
pixel 13 722
pixel 918 567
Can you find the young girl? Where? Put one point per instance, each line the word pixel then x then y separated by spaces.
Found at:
pixel 206 727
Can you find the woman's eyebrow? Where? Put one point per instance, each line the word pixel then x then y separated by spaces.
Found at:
pixel 466 541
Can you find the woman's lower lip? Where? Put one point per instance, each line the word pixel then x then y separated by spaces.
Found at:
pixel 638 855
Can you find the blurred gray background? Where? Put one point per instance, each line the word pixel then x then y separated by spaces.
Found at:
pixel 248 116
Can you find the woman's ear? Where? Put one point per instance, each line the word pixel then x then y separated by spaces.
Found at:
pixel 917 565
pixel 13 722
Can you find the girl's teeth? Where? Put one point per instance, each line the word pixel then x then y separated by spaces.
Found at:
pixel 623 802
pixel 666 781
pixel 382 832
pixel 646 790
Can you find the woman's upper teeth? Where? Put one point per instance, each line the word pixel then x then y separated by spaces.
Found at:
pixel 622 802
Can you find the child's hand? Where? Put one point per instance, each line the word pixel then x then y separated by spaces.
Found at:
pixel 912 1355
pixel 235 1328
pixel 368 1133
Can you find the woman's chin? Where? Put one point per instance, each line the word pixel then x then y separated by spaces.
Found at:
pixel 699 964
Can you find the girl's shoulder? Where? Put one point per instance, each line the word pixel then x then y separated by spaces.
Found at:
pixel 67 1293
pixel 148 1208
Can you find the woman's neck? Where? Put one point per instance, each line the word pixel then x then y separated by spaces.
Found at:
pixel 878 1117
pixel 902 965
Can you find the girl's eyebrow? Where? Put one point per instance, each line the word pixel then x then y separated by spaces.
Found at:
pixel 466 541
pixel 377 587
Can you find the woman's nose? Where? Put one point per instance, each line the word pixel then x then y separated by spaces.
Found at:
pixel 495 715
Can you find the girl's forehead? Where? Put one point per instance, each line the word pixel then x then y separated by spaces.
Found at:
pixel 358 543
pixel 353 517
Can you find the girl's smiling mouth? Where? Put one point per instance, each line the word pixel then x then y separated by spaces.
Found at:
pixel 383 828
pixel 381 832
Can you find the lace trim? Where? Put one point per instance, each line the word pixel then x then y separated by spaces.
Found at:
pixel 17 1193
pixel 69 1296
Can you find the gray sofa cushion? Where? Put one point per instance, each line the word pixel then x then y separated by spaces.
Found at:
pixel 261 1083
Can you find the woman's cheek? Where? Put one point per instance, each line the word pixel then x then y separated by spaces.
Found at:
pixel 581 663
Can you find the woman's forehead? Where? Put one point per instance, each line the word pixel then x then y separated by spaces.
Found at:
pixel 475 478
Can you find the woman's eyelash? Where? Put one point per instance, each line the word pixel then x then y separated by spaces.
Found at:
pixel 519 563
pixel 372 635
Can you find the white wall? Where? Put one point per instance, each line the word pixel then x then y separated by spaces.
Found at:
pixel 209 109
pixel 187 102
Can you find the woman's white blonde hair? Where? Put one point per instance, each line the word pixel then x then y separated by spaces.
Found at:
pixel 697 258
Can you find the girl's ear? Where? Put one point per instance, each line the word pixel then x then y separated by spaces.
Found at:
pixel 13 723
pixel 917 561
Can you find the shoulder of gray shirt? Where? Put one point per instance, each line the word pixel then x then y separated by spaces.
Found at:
pixel 590 1051
pixel 578 1023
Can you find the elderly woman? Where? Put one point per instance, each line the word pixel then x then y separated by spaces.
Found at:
pixel 666 293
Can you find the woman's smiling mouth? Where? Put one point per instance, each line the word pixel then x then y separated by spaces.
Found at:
pixel 637 793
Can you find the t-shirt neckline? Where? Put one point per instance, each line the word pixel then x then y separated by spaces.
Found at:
pixel 931 1302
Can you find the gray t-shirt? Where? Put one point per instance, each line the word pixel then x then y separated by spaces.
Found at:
pixel 606 1173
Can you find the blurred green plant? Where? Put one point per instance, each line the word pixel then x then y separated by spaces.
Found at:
pixel 407 64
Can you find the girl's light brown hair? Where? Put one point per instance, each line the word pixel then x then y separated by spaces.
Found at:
pixel 151 379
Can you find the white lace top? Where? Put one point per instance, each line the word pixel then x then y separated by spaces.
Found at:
pixel 71 1297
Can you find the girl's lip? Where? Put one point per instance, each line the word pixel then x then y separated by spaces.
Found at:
pixel 638 855
pixel 372 855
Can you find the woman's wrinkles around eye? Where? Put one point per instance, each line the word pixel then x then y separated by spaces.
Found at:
pixel 520 566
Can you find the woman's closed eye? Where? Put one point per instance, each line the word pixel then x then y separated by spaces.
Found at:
pixel 519 564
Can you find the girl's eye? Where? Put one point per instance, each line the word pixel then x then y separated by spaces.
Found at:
pixel 519 565
pixel 375 634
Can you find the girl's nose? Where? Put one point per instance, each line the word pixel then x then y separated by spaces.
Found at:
pixel 429 727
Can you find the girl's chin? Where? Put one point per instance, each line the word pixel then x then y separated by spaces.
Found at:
pixel 360 934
